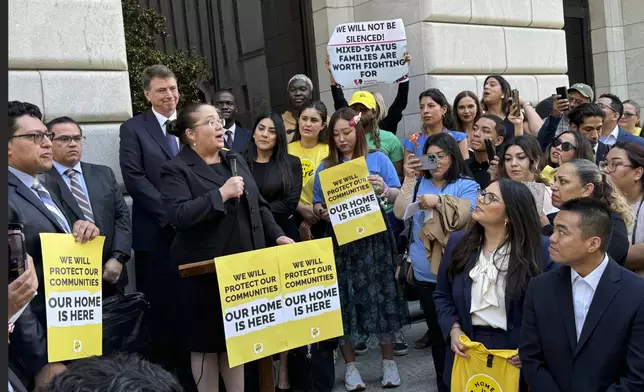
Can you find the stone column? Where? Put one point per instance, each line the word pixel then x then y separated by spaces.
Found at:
pixel 68 57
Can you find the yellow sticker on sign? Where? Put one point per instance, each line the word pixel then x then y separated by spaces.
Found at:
pixel 353 207
pixel 276 299
pixel 73 276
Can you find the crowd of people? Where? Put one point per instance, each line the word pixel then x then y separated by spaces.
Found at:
pixel 530 233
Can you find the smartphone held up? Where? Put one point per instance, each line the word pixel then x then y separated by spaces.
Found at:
pixel 17 251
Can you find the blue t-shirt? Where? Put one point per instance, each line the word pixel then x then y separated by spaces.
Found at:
pixel 415 142
pixel 463 188
pixel 377 163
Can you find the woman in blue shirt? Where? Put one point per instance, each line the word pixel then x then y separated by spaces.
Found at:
pixel 372 304
pixel 437 118
pixel 450 178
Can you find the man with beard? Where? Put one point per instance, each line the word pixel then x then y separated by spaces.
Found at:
pixel 558 121
pixel 236 137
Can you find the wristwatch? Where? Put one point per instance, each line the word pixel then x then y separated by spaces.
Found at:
pixel 120 257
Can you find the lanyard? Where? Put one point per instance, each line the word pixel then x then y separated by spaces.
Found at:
pixel 637 214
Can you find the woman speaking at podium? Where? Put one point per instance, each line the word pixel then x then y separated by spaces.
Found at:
pixel 213 202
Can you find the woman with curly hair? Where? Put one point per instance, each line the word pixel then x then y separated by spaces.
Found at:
pixel 582 178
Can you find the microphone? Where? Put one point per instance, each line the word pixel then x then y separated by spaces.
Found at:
pixel 232 158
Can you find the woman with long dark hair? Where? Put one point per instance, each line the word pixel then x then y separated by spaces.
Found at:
pixel 436 115
pixel 582 178
pixel 309 144
pixel 520 160
pixel 625 166
pixel 467 111
pixel 497 100
pixel 486 270
pixel 566 147
pixel 277 173
pixel 449 193
pixel 372 303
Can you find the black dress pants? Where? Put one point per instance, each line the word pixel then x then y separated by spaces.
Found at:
pixel 426 295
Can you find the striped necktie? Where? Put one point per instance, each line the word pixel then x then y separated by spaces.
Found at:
pixel 51 206
pixel 79 194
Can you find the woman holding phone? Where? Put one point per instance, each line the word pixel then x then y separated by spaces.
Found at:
pixel 372 303
pixel 447 192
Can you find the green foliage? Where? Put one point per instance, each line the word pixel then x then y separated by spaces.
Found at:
pixel 142 26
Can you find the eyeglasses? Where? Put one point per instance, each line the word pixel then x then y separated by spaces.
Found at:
pixel 440 155
pixel 628 115
pixel 68 139
pixel 601 105
pixel 611 166
pixel 488 198
pixel 565 146
pixel 576 102
pixel 212 123
pixel 36 137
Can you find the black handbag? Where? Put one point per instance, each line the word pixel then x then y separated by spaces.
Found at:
pixel 123 328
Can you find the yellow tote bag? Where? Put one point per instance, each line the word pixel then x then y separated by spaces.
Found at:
pixel 485 370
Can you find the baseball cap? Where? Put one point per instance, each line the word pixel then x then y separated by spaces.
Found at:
pixel 365 98
pixel 584 90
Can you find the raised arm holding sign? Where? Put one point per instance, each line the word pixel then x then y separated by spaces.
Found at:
pixel 368 53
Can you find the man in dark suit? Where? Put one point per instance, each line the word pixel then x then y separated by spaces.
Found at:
pixel 611 132
pixel 583 323
pixel 91 192
pixel 145 146
pixel 36 207
pixel 235 136
pixel 588 119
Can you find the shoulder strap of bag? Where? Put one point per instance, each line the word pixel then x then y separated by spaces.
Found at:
pixel 411 220
pixel 637 214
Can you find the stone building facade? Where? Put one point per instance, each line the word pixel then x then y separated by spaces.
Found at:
pixel 455 44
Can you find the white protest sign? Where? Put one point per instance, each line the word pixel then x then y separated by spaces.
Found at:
pixel 369 53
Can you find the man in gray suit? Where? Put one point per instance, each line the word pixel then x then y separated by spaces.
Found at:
pixel 36 207
pixel 91 192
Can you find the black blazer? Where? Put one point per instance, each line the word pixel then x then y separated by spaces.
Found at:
pixel 28 341
pixel 242 137
pixel 602 151
pixel 142 151
pixel 111 213
pixel 190 190
pixel 608 355
pixel 453 299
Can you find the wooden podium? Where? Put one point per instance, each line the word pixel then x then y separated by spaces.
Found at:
pixel 264 365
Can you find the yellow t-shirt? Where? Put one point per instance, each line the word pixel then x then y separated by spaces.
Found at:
pixel 311 159
pixel 485 370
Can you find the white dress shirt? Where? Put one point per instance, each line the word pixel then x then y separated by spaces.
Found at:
pixel 611 139
pixel 162 119
pixel 232 135
pixel 583 291
pixel 488 289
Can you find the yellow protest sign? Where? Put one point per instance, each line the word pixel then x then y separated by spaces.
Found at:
pixel 310 292
pixel 274 300
pixel 251 303
pixel 353 207
pixel 73 275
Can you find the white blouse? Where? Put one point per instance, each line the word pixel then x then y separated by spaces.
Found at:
pixel 488 289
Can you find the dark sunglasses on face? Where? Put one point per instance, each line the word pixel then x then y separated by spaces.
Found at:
pixel 565 146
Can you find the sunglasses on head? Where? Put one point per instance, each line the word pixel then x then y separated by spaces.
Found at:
pixel 565 146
